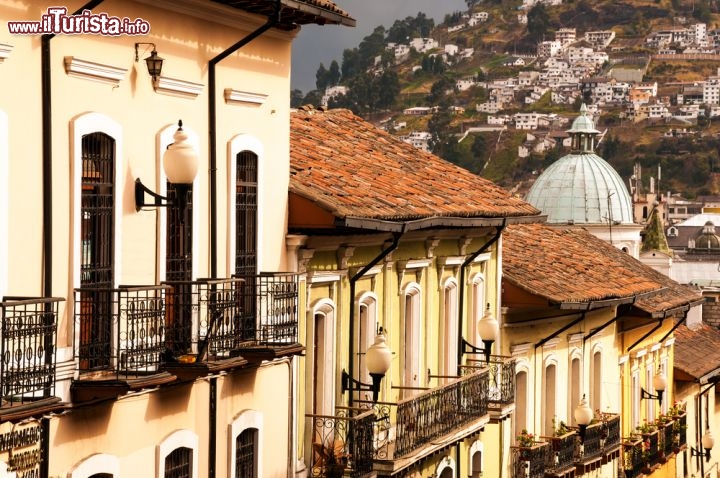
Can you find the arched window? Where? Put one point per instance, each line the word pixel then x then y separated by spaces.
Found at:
pixel 367 329
pixel 596 390
pixel 246 213
pixel 99 465
pixel 575 386
pixel 323 359
pixel 448 353
pixel 549 398
pixel 475 468
pixel 246 435
pixel 411 337
pixel 178 455
pixel 478 307
pixel 521 401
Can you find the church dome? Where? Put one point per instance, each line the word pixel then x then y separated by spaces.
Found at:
pixel 707 239
pixel 581 189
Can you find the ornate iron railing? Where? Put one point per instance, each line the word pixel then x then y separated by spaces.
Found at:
pixel 666 438
pixel 680 430
pixel 224 315
pixel 416 421
pixel 593 444
pixel 27 368
pixel 564 449
pixel 612 426
pixel 632 457
pixel 530 462
pixel 651 448
pixel 342 445
pixel 120 330
pixel 501 375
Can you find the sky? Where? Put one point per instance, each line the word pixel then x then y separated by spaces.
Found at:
pixel 322 44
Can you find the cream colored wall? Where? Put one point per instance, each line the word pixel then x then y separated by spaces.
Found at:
pixel 132 427
pixel 559 351
pixel 263 67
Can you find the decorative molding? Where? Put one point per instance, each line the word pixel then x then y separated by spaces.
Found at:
pixel 414 264
pixel 520 349
pixel 623 359
pixel 237 96
pixel 5 51
pixel 669 342
pixel 178 87
pixel 93 71
pixel 655 347
pixel 575 338
pixel 484 257
pixel 323 277
pixel 640 353
pixel 372 272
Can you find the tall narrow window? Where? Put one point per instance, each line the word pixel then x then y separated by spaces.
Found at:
pixel 97 248
pixel 322 361
pixel 178 464
pixel 596 392
pixel 245 454
pixel 478 307
pixel 521 402
pixel 178 260
pixel 549 398
pixel 450 323
pixel 635 396
pixel 411 358
pixel 367 324
pixel 574 387
pixel 246 191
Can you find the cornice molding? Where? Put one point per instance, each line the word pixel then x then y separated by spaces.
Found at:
pixel 91 70
pixel 237 96
pixel 174 86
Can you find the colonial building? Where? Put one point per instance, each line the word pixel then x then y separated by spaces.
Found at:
pixel 142 340
pixel 399 243
pixel 590 326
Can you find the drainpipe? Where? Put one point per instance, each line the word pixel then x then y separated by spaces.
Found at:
pixel 461 300
pixel 47 188
pixel 212 119
pixel 353 280
pixel 212 133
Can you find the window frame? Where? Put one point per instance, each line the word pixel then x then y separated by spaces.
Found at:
pixel 179 438
pixel 94 464
pixel 247 419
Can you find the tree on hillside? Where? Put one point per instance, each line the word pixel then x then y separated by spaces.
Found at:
pixel 296 98
pixel 403 30
pixel 538 22
pixel 321 77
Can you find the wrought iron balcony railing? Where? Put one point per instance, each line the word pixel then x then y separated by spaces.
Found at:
pixel 342 445
pixel 680 431
pixel 28 341
pixel 501 389
pixel 530 461
pixel 632 457
pixel 665 436
pixel 224 315
pixel 424 418
pixel 564 452
pixel 120 330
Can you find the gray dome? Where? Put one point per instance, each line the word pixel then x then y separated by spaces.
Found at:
pixel 581 188
pixel 707 239
pixel 583 123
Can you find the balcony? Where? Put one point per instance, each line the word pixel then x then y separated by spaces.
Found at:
pixel 632 451
pixel 424 424
pixel 342 445
pixel 27 371
pixel 501 389
pixel 218 324
pixel 564 452
pixel 601 444
pixel 530 461
pixel 120 341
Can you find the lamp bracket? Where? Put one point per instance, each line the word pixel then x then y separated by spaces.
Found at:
pixel 137 56
pixel 644 394
pixel 698 453
pixel 347 380
pixel 141 190
pixel 467 347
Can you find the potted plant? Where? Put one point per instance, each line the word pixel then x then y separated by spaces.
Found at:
pixel 525 440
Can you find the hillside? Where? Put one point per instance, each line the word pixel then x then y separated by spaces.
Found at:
pixel 382 85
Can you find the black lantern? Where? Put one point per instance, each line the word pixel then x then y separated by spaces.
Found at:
pixel 154 62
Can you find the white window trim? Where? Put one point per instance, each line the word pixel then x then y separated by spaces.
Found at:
pixel 370 301
pixel 446 462
pixel 328 308
pixel 85 124
pixel 239 143
pixel 450 326
pixel 479 293
pixel 177 439
pixel 412 371
pixel 476 447
pixel 244 420
pixel 97 463
pixel 164 138
pixel 4 204
pixel 550 360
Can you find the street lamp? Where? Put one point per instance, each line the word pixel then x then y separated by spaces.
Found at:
pixel 180 162
pixel 659 384
pixel 489 331
pixel 377 359
pixel 707 443
pixel 583 417
pixel 154 62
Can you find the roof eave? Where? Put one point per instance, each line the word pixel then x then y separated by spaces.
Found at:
pixel 431 222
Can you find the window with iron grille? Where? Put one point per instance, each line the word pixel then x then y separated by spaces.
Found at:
pixel 245 454
pixel 97 248
pixel 178 262
pixel 246 190
pixel 178 464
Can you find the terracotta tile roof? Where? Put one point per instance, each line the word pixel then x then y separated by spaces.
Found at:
pixel 571 265
pixel 697 350
pixel 351 168
pixel 296 12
